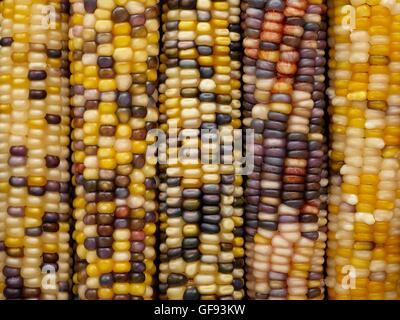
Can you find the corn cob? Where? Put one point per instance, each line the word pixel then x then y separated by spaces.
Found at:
pixel 201 254
pixel 114 54
pixel 34 130
pixel 364 217
pixel 284 104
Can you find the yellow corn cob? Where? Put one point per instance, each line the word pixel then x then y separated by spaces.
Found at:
pixel 364 216
pixel 34 129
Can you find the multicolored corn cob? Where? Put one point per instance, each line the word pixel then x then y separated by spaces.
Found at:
pixel 236 56
pixel 284 45
pixel 114 54
pixel 201 233
pixel 364 216
pixel 34 138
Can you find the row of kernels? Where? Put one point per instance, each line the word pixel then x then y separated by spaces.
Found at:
pixel 238 232
pixel 4 111
pixel 6 103
pixel 162 195
pixel 18 142
pixel 210 47
pixel 58 119
pixel 3 172
pixel 77 101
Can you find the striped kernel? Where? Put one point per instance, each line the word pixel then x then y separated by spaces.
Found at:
pixel 35 253
pixel 284 46
pixel 200 196
pixel 364 216
pixel 114 53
